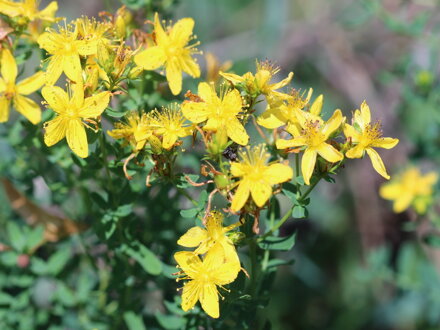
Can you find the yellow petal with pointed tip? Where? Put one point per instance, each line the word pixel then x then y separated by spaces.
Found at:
pixel 308 162
pixel 237 132
pixel 72 67
pixel 4 109
pixel 95 105
pixel 241 196
pixel 8 66
pixel 56 97
pixel 195 112
pixel 278 173
pixel 77 138
pixel 193 237
pixel 181 31
pixel 174 77
pixel 209 300
pixel 386 143
pixel 54 69
pixel 329 153
pixel 260 193
pixel 28 108
pixel 150 58
pixel 377 163
pixel 55 130
pixel 189 262
pixel 190 294
pixel 355 152
pixel 31 84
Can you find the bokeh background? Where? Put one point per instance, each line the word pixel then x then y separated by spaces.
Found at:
pixel 357 264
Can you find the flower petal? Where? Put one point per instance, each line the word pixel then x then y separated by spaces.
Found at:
pixel 150 58
pixel 241 196
pixel 55 130
pixel 190 294
pixel 56 97
pixel 386 143
pixel 355 152
pixel 209 300
pixel 238 169
pixel 4 109
pixel 31 84
pixel 234 78
pixel 95 105
pixel 237 132
pixel 193 237
pixel 316 107
pixel 295 142
pixel 329 153
pixel 54 69
pixel 232 102
pixel 190 66
pixel 160 34
pixel 27 108
pixel 2 85
pixel 48 13
pixel 277 173
pixel 350 132
pixel 77 138
pixel 377 163
pixel 365 113
pixel 260 193
pixel 195 112
pixel 169 139
pixel 174 77
pixel 308 162
pixel 333 123
pixel 282 83
pixel 8 66
pixel 181 31
pixel 391 190
pixel 188 262
pixel 72 67
pixel 402 202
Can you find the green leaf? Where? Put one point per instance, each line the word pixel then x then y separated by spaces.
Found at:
pixel 189 213
pixel 432 240
pixel 5 299
pixel 273 263
pixel 123 210
pixel 147 259
pixel 133 321
pixel 299 212
pixel 38 266
pixel 114 113
pixel 183 183
pixel 16 237
pixel 58 260
pixel 34 238
pixel 278 243
pixel 170 322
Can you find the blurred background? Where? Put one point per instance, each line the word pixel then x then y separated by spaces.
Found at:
pixel 357 264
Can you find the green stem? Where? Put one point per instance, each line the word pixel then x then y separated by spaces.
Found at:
pixel 188 196
pixel 104 160
pixel 289 213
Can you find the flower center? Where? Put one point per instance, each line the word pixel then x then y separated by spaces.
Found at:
pixel 10 90
pixel 313 134
pixel 372 132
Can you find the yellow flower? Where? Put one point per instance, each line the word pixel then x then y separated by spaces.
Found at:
pixel 70 112
pixel 29 9
pixel 204 276
pixel 12 91
pixel 219 112
pixel 169 124
pixel 95 33
pixel 136 131
pixel 171 50
pixel 260 82
pixel 214 67
pixel 366 136
pixel 282 111
pixel 410 188
pixel 206 239
pixel 313 135
pixel 256 177
pixel 65 51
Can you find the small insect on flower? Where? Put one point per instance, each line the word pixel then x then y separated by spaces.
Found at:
pixel 214 234
pixel 204 276
pixel 12 91
pixel 172 51
pixel 72 113
pixel 256 176
pixel 365 136
pixel 410 188
pixel 312 135
pixel 220 113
